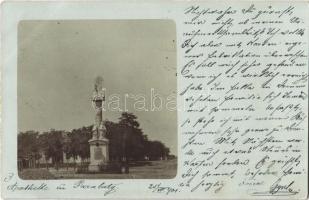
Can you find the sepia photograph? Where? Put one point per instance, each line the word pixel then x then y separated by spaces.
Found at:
pixel 96 99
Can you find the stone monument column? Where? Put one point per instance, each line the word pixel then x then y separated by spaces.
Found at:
pixel 99 154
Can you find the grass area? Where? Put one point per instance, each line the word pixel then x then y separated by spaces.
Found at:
pixel 36 174
pixel 164 169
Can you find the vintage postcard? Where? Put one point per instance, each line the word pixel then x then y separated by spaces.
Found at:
pixel 154 100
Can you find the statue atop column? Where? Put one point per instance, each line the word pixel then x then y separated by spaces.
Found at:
pixel 98 99
pixel 99 154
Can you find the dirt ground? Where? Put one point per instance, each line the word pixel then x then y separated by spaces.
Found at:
pixel 165 169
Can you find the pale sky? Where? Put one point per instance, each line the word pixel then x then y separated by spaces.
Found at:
pixel 59 60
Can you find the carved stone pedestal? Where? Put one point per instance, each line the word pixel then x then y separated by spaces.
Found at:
pixel 99 155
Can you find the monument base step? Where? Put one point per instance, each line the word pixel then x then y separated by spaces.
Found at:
pixel 93 168
pixel 110 167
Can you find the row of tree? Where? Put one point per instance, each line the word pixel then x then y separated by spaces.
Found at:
pixel 126 140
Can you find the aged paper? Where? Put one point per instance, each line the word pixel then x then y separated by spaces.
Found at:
pixel 173 99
